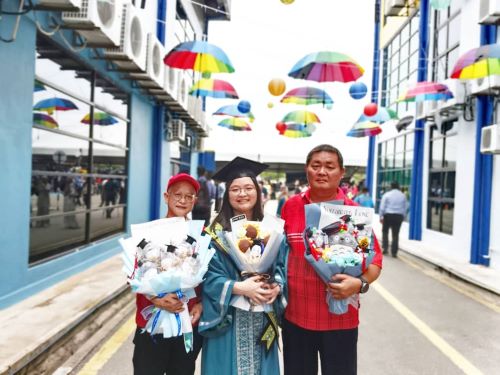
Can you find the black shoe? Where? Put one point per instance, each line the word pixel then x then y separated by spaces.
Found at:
pixel 384 252
pixel 394 255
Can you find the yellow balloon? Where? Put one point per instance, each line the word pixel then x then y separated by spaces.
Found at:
pixel 270 105
pixel 287 1
pixel 276 86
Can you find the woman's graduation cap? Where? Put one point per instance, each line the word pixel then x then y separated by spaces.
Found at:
pixel 239 167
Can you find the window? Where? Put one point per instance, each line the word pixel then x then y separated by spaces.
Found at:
pixel 442 172
pixel 446 42
pixel 79 155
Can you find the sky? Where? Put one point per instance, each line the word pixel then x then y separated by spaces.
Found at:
pixel 263 40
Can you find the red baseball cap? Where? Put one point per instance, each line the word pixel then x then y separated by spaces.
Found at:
pixel 184 177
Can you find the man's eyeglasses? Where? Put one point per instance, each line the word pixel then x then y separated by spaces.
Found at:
pixel 246 190
pixel 189 198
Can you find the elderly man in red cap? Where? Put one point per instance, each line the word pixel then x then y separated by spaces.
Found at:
pixel 155 354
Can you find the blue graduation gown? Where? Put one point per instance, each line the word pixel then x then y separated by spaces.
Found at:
pixel 231 342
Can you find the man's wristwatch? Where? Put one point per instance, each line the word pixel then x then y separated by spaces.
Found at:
pixel 364 285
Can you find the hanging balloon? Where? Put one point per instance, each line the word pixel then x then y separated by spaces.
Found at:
pixel 281 127
pixel 370 109
pixel 270 105
pixel 358 90
pixel 440 4
pixel 287 1
pixel 244 106
pixel 276 86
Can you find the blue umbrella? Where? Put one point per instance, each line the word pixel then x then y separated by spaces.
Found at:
pixel 54 104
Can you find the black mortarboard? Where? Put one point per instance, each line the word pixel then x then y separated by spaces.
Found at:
pixel 239 167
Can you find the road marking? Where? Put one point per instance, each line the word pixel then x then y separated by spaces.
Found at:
pixel 109 348
pixel 458 359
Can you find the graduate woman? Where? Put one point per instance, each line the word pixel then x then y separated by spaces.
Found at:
pixel 238 341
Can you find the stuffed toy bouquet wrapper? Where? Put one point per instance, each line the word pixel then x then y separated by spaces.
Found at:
pixel 253 246
pixel 338 239
pixel 167 256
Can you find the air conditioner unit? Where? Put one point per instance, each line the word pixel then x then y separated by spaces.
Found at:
pixel 55 5
pixel 183 93
pixel 489 85
pixel 176 130
pixel 490 139
pixel 199 144
pixel 451 107
pixel 489 12
pixel 393 7
pixel 171 82
pixel 426 110
pixel 131 54
pixel 99 21
pixel 155 69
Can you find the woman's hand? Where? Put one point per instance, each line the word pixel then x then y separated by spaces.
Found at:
pixel 252 288
pixel 343 286
pixel 195 312
pixel 170 303
pixel 274 291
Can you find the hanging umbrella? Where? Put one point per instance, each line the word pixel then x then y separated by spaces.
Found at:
pixel 295 130
pixel 301 117
pixel 383 115
pixel 216 88
pixel 54 104
pixel 100 118
pixel 306 96
pixel 478 63
pixel 232 110
pixel 422 91
pixel 327 66
pixel 364 129
pixel 44 120
pixel 38 87
pixel 200 56
pixel 235 123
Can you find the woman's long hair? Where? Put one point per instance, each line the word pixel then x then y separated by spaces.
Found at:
pixel 227 212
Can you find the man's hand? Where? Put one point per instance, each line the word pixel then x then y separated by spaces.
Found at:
pixel 195 312
pixel 274 291
pixel 343 286
pixel 170 303
pixel 253 289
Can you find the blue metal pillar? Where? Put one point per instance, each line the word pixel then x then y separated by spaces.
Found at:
pixel 158 127
pixel 416 191
pixel 483 173
pixel 375 90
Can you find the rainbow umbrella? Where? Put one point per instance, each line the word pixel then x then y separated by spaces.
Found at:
pixel 301 117
pixel 306 96
pixel 232 110
pixel 200 56
pixel 364 129
pixel 422 91
pixel 235 123
pixel 44 120
pixel 383 115
pixel 295 130
pixel 216 88
pixel 100 118
pixel 327 66
pixel 54 104
pixel 38 87
pixel 478 63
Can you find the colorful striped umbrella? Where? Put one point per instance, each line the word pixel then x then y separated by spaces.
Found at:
pixel 327 66
pixel 235 123
pixel 295 130
pixel 422 91
pixel 200 56
pixel 306 96
pixel 232 110
pixel 44 120
pixel 364 129
pixel 301 117
pixel 478 63
pixel 216 88
pixel 100 118
pixel 383 115
pixel 54 104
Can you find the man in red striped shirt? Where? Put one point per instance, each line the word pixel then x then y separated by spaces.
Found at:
pixel 308 327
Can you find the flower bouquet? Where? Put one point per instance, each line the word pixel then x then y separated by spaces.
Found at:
pixel 167 256
pixel 338 239
pixel 253 246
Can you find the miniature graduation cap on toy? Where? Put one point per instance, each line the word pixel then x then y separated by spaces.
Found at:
pixel 239 167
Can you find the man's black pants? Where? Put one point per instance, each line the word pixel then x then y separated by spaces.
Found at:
pixel 337 350
pixel 392 222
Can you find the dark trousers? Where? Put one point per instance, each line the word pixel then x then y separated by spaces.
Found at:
pixel 159 356
pixel 337 351
pixel 392 222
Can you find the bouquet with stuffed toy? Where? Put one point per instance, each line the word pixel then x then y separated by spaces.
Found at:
pixel 167 256
pixel 338 239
